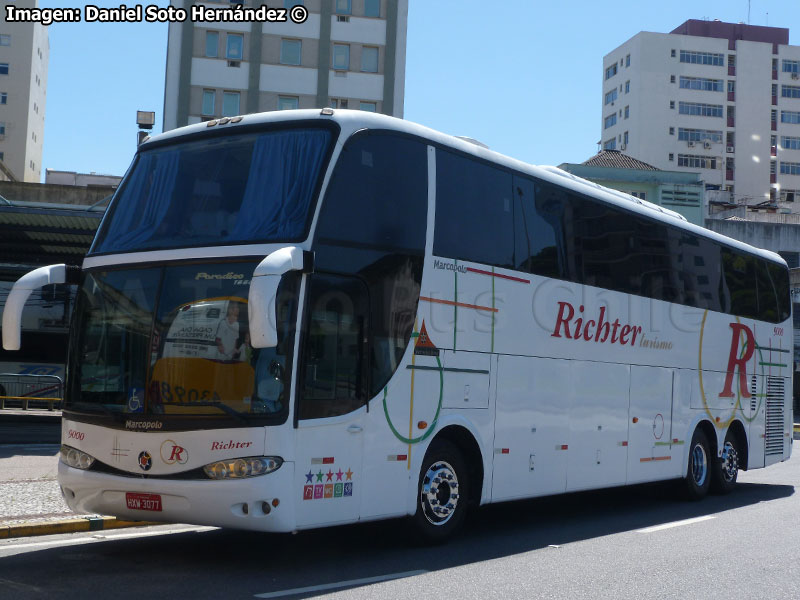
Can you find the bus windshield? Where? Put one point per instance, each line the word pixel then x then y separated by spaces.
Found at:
pixel 175 341
pixel 248 188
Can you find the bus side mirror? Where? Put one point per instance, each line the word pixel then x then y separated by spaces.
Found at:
pixel 261 303
pixel 12 313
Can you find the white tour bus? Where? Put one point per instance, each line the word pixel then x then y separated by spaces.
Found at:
pixel 306 318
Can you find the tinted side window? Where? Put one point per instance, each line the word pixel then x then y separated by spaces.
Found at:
pixel 334 377
pixel 378 195
pixel 536 247
pixel 474 211
pixel 780 279
pixel 699 263
pixel 740 283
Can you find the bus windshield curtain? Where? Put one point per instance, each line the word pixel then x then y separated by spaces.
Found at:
pixel 283 173
pixel 136 222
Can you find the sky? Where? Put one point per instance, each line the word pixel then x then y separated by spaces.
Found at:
pixel 522 76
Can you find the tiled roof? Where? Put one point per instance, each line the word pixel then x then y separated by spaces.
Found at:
pixel 617 160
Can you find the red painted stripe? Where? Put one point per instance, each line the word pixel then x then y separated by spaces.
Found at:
pixel 328 460
pixel 401 457
pixel 504 451
pixel 490 274
pixel 461 304
pixel 624 443
pixel 564 447
pixel 655 458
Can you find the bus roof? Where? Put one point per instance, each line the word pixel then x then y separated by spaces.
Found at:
pixel 351 121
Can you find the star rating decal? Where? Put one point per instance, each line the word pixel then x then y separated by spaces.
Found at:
pixel 315 489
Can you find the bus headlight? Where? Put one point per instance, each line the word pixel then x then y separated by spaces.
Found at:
pixel 75 458
pixel 238 468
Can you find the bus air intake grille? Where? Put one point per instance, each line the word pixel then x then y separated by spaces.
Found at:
pixel 774 437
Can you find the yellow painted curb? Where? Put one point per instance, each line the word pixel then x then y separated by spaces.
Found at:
pixel 69 526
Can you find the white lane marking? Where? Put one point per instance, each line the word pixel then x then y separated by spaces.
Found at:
pixel 675 524
pixel 340 584
pixel 99 537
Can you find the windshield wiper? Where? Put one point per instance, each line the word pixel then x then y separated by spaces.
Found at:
pixel 220 405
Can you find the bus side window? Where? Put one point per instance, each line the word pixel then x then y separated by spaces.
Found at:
pixel 334 377
pixel 740 279
pixel 536 250
pixel 474 211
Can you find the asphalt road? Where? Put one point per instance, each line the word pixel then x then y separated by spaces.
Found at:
pixel 625 543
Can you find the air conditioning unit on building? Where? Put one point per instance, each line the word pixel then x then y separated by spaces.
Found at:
pixel 690 144
pixel 729 149
pixel 707 145
pixel 234 63
pixel 795 76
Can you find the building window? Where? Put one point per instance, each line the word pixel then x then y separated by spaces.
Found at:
pixel 699 135
pixel 209 101
pixel 786 196
pixel 5 39
pixel 4 98
pixel 625 138
pixel 3 68
pixel 212 44
pixel 288 102
pixel 671 155
pixel 368 106
pixel 627 112
pixel 672 131
pixel 610 121
pixel 611 71
pixel 640 195
pixel 790 168
pixel 627 86
pixel 230 104
pixel 672 78
pixel 2 156
pixel 235 46
pixel 672 54
pixel 790 116
pixel 291 52
pixel 790 91
pixel 697 162
pixel 369 59
pixel 790 143
pixel 372 8
pixel 341 57
pixel 731 86
pixel 698 109
pixel 2 128
pixel 338 102
pixel 672 104
pixel 702 58
pixel 628 60
pixel 611 96
pixel 343 7
pixel 700 83
pixel 791 66
pixel 610 144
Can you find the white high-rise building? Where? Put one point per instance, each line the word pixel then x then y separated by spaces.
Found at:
pixel 24 52
pixel 347 54
pixel 720 99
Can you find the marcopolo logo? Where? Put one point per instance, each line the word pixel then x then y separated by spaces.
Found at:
pixel 143 425
pixel 172 453
pixel 218 276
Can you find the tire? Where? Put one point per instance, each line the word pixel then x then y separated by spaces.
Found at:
pixel 725 469
pixel 698 473
pixel 442 492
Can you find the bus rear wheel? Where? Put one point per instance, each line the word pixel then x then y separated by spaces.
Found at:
pixel 725 469
pixel 442 493
pixel 698 479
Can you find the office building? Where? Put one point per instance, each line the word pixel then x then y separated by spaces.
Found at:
pixel 721 99
pixel 347 54
pixel 24 52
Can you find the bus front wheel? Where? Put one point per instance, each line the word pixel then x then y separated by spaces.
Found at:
pixel 698 477
pixel 442 493
pixel 725 469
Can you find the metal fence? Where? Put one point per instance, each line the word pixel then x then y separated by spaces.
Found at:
pixel 30 391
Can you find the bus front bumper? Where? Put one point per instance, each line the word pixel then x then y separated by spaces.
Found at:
pixel 261 503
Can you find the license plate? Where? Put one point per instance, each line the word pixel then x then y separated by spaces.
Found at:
pixel 138 501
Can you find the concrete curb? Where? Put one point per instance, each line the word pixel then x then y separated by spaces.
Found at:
pixel 68 526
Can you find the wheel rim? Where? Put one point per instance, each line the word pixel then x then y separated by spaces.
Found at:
pixel 699 465
pixel 729 462
pixel 439 493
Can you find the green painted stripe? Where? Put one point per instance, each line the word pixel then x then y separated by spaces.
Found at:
pixel 455 306
pixel 772 349
pixel 492 349
pixel 449 370
pixel 766 364
pixel 415 334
